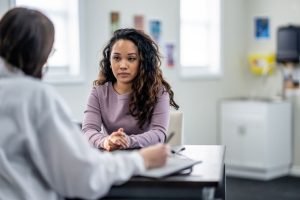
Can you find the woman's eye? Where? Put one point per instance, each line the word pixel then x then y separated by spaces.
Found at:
pixel 116 58
pixel 131 59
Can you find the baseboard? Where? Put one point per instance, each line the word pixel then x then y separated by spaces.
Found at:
pixel 295 170
pixel 257 173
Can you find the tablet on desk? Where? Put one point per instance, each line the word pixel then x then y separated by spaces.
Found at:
pixel 175 164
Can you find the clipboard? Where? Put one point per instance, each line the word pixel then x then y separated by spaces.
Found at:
pixel 175 165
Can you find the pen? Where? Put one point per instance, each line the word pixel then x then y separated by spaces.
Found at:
pixel 181 148
pixel 169 137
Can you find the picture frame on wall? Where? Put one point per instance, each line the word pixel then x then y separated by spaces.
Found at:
pixel 155 30
pixel 139 22
pixel 114 21
pixel 262 28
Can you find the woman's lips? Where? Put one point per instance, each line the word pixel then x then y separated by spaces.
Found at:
pixel 123 74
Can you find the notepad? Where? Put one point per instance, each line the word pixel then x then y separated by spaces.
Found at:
pixel 175 164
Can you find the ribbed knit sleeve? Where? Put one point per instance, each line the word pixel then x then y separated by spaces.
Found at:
pixel 92 121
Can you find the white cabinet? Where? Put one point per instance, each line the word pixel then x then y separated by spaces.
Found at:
pixel 257 136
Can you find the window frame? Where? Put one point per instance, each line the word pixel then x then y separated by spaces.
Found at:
pixel 203 72
pixel 63 74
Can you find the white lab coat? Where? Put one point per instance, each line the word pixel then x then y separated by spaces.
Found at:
pixel 43 155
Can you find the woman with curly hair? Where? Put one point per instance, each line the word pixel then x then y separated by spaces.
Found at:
pixel 129 104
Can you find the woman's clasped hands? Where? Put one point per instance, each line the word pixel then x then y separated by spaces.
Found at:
pixel 116 140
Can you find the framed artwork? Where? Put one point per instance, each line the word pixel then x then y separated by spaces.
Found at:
pixel 114 21
pixel 262 28
pixel 170 55
pixel 155 29
pixel 139 22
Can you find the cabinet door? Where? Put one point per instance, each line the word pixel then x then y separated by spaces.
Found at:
pixel 253 142
pixel 233 143
pixel 244 137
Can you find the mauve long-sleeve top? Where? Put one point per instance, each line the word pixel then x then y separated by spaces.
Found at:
pixel 107 111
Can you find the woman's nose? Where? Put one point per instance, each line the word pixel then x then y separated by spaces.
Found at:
pixel 123 65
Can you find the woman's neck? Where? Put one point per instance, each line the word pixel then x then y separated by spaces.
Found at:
pixel 122 88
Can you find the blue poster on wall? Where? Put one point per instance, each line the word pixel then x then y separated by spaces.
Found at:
pixel 155 30
pixel 262 28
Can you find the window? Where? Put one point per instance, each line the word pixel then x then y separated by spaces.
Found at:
pixel 64 64
pixel 200 38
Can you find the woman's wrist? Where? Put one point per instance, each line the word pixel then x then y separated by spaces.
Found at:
pixel 104 143
pixel 128 141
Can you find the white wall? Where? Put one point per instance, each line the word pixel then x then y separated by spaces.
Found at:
pixel 280 13
pixel 4 4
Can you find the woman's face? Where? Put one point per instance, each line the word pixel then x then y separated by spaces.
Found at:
pixel 125 61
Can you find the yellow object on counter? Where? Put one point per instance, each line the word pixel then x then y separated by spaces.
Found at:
pixel 262 64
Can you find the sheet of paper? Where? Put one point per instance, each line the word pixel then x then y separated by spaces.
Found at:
pixel 174 165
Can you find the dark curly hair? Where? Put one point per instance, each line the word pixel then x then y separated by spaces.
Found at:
pixel 149 80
